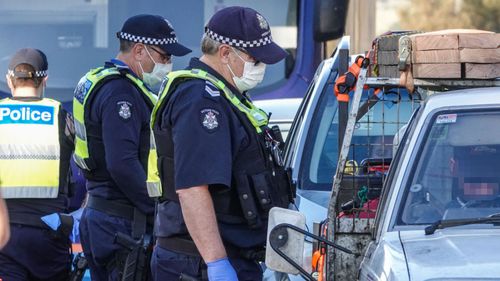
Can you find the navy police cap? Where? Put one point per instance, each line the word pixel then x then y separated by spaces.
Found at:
pixel 246 29
pixel 30 56
pixel 152 30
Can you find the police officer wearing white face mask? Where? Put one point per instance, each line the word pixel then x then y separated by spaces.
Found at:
pixel 112 106
pixel 218 175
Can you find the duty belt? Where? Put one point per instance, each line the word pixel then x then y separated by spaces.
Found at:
pixel 113 208
pixel 28 220
pixel 63 230
pixel 187 247
pixel 181 245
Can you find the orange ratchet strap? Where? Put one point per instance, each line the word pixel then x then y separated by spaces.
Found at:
pixel 347 82
pixel 318 258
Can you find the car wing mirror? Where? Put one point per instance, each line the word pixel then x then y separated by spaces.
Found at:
pixel 283 242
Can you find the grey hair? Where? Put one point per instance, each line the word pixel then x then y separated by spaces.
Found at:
pixel 126 46
pixel 209 46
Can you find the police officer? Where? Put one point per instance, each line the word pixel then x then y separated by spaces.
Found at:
pixel 218 161
pixel 36 143
pixel 112 107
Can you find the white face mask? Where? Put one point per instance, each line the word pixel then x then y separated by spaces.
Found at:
pixel 252 74
pixel 153 79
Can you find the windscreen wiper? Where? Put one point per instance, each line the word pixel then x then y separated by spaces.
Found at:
pixel 440 224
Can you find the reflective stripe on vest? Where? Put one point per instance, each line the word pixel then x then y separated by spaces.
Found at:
pixel 83 91
pixel 29 148
pixel 257 117
pixel 153 180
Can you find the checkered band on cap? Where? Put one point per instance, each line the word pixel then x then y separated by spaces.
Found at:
pixel 239 43
pixel 146 40
pixel 41 73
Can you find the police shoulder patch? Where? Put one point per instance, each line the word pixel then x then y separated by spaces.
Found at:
pixel 124 109
pixel 209 118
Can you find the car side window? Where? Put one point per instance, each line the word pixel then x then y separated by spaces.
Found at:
pixel 372 138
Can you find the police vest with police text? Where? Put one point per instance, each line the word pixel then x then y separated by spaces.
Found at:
pixel 84 93
pixel 260 182
pixel 29 148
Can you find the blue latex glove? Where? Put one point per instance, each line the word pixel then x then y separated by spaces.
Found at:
pixel 54 221
pixel 221 270
pixel 75 233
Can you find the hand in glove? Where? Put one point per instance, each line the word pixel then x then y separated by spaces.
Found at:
pixel 221 270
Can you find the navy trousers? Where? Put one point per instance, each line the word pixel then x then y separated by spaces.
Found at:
pixel 168 266
pixel 35 254
pixel 97 234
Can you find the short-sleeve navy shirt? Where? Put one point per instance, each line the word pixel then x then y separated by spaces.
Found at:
pixel 207 136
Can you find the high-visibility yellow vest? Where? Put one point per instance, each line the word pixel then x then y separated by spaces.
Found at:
pixel 256 116
pixel 83 92
pixel 29 148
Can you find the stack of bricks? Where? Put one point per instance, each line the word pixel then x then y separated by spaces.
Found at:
pixel 384 56
pixel 456 54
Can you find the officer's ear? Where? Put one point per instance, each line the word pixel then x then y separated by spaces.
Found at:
pixel 138 51
pixel 223 53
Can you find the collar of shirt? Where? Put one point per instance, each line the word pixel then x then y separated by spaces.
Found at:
pixel 120 65
pixel 196 63
pixel 26 98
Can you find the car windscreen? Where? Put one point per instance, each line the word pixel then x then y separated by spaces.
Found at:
pixel 372 138
pixel 79 35
pixel 455 174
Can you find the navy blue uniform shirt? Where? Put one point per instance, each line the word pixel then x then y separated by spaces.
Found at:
pixel 207 136
pixel 125 141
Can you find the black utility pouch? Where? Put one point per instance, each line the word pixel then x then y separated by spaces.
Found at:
pixel 261 186
pixel 247 201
